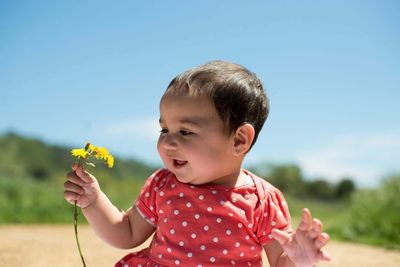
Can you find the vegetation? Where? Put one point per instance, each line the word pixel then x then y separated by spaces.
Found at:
pixel 32 174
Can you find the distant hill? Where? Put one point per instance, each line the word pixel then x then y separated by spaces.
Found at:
pixel 30 158
pixel 32 176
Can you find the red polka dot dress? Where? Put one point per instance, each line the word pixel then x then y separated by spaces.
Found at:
pixel 207 225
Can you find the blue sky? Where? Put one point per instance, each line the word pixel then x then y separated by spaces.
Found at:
pixel 73 71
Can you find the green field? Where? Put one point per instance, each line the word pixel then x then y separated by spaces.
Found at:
pixel 32 175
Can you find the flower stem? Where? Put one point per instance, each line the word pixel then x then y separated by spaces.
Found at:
pixel 76 214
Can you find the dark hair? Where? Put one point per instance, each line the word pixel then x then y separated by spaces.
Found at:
pixel 236 92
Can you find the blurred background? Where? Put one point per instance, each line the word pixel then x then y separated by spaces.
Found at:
pixel 78 71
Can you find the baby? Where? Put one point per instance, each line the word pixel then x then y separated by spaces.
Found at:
pixel 203 208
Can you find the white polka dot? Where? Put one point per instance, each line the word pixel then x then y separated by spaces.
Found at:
pixel 250 225
pixel 240 225
pixel 202 247
pixel 147 194
pixel 215 239
pixel 177 262
pixel 162 193
pixel 237 244
pixel 169 250
pixel 184 223
pixel 160 256
pixel 197 216
pixel 234 199
pixel 214 192
pixel 233 262
pixel 126 265
pixel 181 194
pixel 201 197
pixel 209 209
pixel 188 204
pixel 247 237
pixel 172 231
pixel 219 220
pixel 155 188
pixel 190 254
pixel 193 235
pixel 228 232
pixel 273 223
pixel 230 214
pixel 165 220
pixel 181 243
pixel 169 202
pixel 225 251
pixel 206 228
pixel 242 254
pixel 176 212
pixel 161 211
pixel 222 202
pixel 156 178
pixel 173 185
pixel 151 208
pixel 212 259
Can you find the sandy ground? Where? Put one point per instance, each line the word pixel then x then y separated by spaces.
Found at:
pixel 54 245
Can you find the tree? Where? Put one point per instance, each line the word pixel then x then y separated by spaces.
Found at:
pixel 320 189
pixel 287 178
pixel 344 188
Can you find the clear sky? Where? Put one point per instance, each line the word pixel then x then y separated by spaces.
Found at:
pixel 73 71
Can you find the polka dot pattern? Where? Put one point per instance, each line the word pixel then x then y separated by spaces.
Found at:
pixel 202 225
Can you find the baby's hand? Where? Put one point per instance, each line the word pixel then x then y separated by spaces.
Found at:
pixel 303 247
pixel 81 187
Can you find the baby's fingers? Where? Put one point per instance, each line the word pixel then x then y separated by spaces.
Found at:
pixel 305 221
pixel 72 192
pixel 316 229
pixel 73 178
pixel 323 256
pixel 321 240
pixel 82 173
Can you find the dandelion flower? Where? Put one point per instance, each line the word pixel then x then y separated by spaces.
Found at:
pixel 79 153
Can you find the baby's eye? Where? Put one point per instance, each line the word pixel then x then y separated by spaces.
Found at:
pixel 183 132
pixel 163 131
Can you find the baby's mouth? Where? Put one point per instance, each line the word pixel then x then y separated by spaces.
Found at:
pixel 179 163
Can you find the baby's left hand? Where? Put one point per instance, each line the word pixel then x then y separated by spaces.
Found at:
pixel 303 247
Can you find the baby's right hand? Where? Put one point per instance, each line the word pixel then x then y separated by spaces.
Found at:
pixel 81 187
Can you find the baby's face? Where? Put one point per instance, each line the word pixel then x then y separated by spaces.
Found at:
pixel 193 143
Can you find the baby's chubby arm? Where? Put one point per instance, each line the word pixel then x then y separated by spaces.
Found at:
pixel 116 227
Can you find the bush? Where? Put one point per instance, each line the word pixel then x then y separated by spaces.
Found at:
pixel 374 216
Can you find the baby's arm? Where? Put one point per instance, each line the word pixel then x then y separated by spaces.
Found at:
pixel 116 227
pixel 303 248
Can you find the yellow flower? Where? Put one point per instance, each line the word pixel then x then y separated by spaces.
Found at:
pixel 110 161
pixel 101 153
pixel 79 153
pixel 93 151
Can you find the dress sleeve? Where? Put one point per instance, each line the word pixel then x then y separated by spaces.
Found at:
pixel 274 214
pixel 146 203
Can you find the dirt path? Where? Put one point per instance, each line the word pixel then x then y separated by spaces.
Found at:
pixel 54 245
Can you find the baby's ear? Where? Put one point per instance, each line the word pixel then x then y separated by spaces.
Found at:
pixel 243 139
